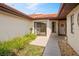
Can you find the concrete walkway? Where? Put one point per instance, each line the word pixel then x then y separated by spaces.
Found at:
pixel 52 48
pixel 40 41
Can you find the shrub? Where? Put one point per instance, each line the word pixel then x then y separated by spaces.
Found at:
pixel 15 43
pixel 19 43
pixel 4 50
pixel 30 36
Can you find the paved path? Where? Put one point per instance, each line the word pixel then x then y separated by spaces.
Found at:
pixel 40 41
pixel 52 48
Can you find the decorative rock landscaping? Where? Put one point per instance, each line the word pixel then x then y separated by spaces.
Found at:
pixel 65 48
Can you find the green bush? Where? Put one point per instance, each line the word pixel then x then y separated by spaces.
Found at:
pixel 15 43
pixel 30 36
pixel 4 52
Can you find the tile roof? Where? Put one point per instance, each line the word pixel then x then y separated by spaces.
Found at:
pixel 38 16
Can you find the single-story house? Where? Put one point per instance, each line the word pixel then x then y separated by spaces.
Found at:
pixel 66 23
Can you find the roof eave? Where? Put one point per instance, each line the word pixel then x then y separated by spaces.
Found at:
pixel 65 9
pixel 11 10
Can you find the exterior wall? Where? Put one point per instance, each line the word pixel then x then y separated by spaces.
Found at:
pixel 12 26
pixel 49 28
pixel 48 24
pixel 73 39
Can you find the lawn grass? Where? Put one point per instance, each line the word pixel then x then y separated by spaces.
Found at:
pixel 31 50
pixel 20 46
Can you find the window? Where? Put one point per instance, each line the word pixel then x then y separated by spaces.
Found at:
pixel 54 27
pixel 40 28
pixel 72 23
pixel 78 19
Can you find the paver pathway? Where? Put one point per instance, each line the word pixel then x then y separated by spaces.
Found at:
pixel 52 48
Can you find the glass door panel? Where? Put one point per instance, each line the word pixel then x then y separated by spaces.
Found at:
pixel 40 28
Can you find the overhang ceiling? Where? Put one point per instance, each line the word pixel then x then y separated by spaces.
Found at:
pixel 65 9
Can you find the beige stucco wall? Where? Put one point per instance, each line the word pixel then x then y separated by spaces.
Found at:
pixel 12 26
pixel 73 39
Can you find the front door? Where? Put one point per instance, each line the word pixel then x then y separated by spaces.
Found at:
pixel 62 27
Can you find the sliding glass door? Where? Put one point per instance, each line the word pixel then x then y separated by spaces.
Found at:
pixel 40 28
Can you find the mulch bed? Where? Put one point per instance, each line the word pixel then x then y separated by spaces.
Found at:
pixel 66 49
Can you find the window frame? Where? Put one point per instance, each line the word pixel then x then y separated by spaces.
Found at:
pixel 72 23
pixel 40 26
pixel 78 19
pixel 53 27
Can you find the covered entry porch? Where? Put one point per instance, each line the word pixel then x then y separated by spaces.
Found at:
pixel 48 27
pixel 45 28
